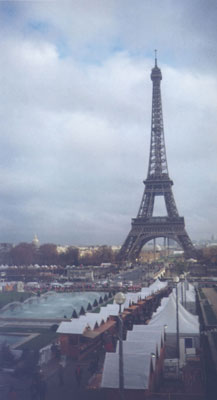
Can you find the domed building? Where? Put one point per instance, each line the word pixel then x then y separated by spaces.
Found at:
pixel 36 241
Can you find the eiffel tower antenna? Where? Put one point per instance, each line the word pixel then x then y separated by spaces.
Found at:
pixel 155 52
pixel 145 226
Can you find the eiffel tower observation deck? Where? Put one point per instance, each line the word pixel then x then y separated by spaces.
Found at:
pixel 145 226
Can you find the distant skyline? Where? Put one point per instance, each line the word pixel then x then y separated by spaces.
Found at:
pixel 75 107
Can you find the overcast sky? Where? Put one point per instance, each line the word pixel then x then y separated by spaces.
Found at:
pixel 75 110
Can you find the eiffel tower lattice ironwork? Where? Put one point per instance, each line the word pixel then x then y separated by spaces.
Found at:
pixel 158 183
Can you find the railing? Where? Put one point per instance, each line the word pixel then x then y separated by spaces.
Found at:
pixel 159 220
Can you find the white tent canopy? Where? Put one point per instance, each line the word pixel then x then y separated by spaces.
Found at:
pixel 186 292
pixel 97 317
pixel 186 314
pixel 104 312
pixel 113 309
pixel 145 292
pixel 161 307
pixel 158 285
pixel 137 347
pixel 148 336
pixel 76 326
pixel 154 287
pixel 188 323
pixel 136 368
pixel 150 328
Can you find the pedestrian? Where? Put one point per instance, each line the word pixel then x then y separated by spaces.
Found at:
pixel 61 375
pixel 78 375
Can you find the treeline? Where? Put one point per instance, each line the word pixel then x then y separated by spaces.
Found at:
pixel 208 254
pixel 47 254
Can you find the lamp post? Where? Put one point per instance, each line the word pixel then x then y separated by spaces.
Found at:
pixel 176 280
pixel 120 299
pixel 182 278
pixel 165 328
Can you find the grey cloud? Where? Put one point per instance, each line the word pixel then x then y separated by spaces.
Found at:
pixel 75 133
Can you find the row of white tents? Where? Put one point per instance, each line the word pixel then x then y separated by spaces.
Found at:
pixel 141 352
pixel 92 320
pixel 143 344
pixel 144 341
pixel 188 327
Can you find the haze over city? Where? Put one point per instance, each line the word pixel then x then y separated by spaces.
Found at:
pixel 75 105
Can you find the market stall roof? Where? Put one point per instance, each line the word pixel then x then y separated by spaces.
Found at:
pixel 188 323
pixel 186 292
pixel 113 309
pixel 76 326
pixel 145 292
pixel 133 297
pixel 150 328
pixel 136 367
pixel 91 322
pixel 158 285
pixel 135 347
pixel 186 314
pixel 163 304
pixel 147 336
pixel 154 287
pixel 97 317
pixel 92 334
pixel 104 312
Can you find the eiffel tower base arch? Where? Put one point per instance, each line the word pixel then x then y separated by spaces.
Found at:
pixel 145 229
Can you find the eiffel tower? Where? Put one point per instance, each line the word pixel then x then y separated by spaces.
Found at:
pixel 145 227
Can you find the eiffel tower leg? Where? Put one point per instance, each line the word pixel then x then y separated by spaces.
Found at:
pixel 147 205
pixel 186 244
pixel 137 245
pixel 170 204
pixel 127 246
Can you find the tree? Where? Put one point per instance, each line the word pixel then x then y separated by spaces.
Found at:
pixel 102 254
pixel 95 304
pixel 70 257
pixel 82 311
pixel 74 314
pixel 23 254
pixel 209 254
pixel 48 254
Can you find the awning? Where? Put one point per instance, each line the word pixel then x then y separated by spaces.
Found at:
pixel 92 334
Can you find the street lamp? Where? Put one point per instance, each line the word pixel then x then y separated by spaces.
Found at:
pixel 176 280
pixel 120 299
pixel 182 278
pixel 165 328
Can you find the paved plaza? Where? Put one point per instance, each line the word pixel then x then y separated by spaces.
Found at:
pixel 66 388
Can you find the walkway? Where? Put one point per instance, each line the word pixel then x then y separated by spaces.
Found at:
pixel 211 295
pixel 68 391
